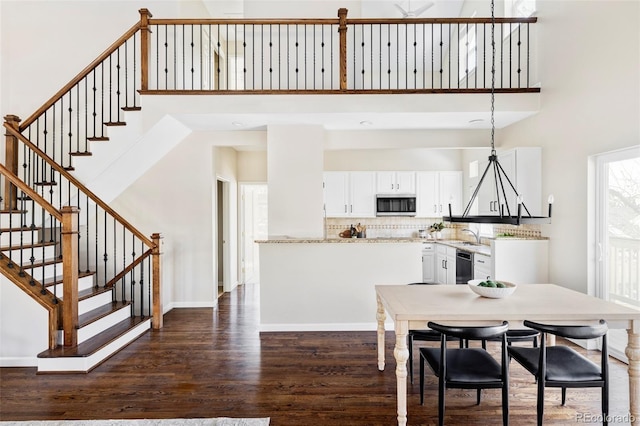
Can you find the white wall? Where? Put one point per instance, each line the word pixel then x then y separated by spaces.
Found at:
pixel 24 327
pixel 294 177
pixel 590 103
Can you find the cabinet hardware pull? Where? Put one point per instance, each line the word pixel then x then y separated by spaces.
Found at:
pixel 345 208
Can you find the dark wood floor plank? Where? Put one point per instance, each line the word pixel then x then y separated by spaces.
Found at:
pixel 214 362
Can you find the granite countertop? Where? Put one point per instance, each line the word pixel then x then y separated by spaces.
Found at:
pixel 342 240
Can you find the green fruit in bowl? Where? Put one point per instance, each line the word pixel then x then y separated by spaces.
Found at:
pixel 500 285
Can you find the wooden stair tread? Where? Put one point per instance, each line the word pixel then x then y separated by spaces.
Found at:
pixel 98 138
pixel 115 123
pixel 24 229
pixel 93 291
pixel 27 246
pixel 132 108
pixel 96 343
pixel 101 312
pixel 80 154
pixel 41 263
pixel 9 211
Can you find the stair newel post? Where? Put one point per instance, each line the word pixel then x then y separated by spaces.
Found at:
pixel 157 282
pixel 144 48
pixel 342 29
pixel 11 162
pixel 70 274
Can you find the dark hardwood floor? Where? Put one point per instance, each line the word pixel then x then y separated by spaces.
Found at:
pixel 214 362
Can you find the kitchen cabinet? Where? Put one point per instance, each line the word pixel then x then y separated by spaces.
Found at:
pixel 428 263
pixel 445 265
pixel 434 192
pixel 396 182
pixel 523 166
pixel 349 194
pixel 482 266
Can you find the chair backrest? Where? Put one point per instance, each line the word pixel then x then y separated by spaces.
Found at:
pixel 571 331
pixel 471 332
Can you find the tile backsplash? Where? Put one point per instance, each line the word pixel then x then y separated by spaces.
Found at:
pixel 408 227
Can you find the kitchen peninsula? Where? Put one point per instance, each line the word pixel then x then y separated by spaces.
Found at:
pixel 326 284
pixel 316 284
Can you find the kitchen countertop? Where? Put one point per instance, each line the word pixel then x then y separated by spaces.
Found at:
pixel 458 244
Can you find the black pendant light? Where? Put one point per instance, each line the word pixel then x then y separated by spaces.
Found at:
pixel 505 216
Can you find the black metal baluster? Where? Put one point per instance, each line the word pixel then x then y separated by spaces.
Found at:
pixel 210 62
pixel 510 55
pixel 133 275
pixel 331 59
pixel 355 54
pixel 253 56
pixel 305 68
pixel 519 54
pixel 528 51
pixel 175 58
pixel 124 260
pixel 105 257
pixel 70 133
pixel 475 56
pixel 441 57
pixel 389 56
pixel 362 55
pixel 397 56
pixel 466 54
pixel 449 65
pixel 192 59
pixel 235 56
pixel 142 310
pixel 314 55
pixel 184 60
pixel 226 86
pixel 110 90
pixel 270 59
pixel 244 56
pixel 218 66
pixel 297 57
pixel 102 119
pixel 501 55
pixel 371 56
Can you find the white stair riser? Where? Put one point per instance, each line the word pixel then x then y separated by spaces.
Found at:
pixel 94 302
pixel 10 220
pixel 84 283
pixel 13 238
pixel 38 253
pixel 90 330
pixel 84 364
pixel 41 273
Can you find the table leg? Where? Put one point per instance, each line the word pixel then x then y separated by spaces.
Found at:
pixel 381 317
pixel 633 353
pixel 401 354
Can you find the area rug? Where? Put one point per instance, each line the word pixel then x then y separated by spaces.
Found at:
pixel 219 421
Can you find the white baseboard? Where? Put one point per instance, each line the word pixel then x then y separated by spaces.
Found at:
pixel 18 361
pixel 372 326
pixel 177 305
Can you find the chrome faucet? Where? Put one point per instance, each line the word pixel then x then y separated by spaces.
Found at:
pixel 474 234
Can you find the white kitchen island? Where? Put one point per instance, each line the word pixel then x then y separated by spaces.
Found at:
pixel 326 285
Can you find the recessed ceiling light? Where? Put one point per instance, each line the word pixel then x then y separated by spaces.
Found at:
pixel 366 123
pixel 238 123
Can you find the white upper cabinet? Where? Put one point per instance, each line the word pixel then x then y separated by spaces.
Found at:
pixel 349 194
pixel 523 167
pixel 396 182
pixel 435 190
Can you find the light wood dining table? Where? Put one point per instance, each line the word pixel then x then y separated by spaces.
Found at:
pixel 412 306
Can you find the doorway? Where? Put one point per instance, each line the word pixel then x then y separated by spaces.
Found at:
pixel 221 234
pixel 253 226
pixel 618 234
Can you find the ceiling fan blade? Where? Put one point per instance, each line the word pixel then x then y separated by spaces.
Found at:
pixel 422 9
pixel 404 12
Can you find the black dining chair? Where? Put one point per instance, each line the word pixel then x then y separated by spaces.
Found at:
pixel 562 366
pixel 425 335
pixel 467 368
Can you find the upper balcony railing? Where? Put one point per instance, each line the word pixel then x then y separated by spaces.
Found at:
pixel 337 55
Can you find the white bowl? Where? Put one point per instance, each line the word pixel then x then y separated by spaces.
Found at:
pixel 492 292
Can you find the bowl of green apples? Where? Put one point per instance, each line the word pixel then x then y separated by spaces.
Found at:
pixel 492 289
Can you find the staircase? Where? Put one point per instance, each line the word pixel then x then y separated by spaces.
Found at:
pixel 31 255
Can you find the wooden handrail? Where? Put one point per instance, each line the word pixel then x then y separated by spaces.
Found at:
pixel 285 21
pixel 30 192
pixel 82 188
pixel 119 42
pixel 129 268
pixel 334 21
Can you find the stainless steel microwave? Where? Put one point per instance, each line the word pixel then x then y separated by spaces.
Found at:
pixel 395 205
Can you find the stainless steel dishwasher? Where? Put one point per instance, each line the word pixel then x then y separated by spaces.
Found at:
pixel 464 266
